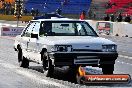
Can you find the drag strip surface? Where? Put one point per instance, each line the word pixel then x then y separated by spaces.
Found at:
pixel 12 76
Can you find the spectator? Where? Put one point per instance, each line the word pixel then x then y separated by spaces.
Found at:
pixel 37 12
pixel 82 15
pixel 58 11
pixel 94 15
pixel 127 18
pixel 90 14
pixel 112 18
pixel 119 18
pixel 25 11
pixel 65 2
pixel 107 18
pixel 9 8
pixel 108 5
pixel 12 10
pixel 4 7
pixel 32 12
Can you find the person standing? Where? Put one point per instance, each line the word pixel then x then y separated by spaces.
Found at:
pixel 58 11
pixel 112 18
pixel 119 18
pixel 37 12
pixel 33 12
pixel 107 18
pixel 4 8
pixel 90 13
pixel 82 15
pixel 25 11
pixel 127 18
pixel 94 15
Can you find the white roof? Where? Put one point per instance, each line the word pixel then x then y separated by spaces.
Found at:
pixel 57 19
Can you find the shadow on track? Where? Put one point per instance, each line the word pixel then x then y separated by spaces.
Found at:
pixel 63 74
pixel 59 73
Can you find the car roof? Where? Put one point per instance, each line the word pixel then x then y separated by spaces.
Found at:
pixel 57 19
pixel 48 16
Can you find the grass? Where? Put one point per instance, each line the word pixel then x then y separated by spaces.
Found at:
pixel 12 18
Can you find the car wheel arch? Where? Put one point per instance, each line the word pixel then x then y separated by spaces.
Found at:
pixel 42 51
pixel 18 46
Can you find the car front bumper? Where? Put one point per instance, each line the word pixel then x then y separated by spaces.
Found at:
pixel 83 58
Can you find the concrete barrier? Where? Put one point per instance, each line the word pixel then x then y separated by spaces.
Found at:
pixel 118 29
pixel 109 28
pixel 128 30
pixel 122 29
pixel 11 31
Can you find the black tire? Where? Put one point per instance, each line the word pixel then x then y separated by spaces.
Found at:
pixel 20 55
pixel 80 79
pixel 108 68
pixel 73 70
pixel 23 62
pixel 48 68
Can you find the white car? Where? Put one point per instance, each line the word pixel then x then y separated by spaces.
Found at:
pixel 58 42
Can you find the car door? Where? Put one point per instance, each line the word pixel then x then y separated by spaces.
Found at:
pixel 33 43
pixel 25 37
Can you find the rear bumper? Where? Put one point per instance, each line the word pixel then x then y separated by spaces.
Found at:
pixel 70 58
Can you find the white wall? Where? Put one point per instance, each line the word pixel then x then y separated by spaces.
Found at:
pixel 121 28
pixel 128 29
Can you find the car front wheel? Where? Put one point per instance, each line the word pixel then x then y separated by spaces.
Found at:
pixel 108 68
pixel 48 68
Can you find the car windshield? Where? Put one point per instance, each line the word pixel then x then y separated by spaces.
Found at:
pixel 66 28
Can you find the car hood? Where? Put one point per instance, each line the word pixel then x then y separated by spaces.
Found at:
pixel 87 42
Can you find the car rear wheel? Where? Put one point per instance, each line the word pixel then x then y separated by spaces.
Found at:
pixel 23 62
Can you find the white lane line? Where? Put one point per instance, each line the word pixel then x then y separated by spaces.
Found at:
pixel 125 52
pixel 124 63
pixel 31 75
pixel 125 56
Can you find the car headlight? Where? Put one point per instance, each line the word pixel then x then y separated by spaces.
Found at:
pixel 62 48
pixel 109 48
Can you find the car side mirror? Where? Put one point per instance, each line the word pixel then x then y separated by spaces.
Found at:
pixel 34 35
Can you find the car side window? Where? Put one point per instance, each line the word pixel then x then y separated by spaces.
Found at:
pixel 45 28
pixel 28 30
pixel 25 29
pixel 36 28
pixel 80 29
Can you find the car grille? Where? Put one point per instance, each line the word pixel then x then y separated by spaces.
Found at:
pixel 88 50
